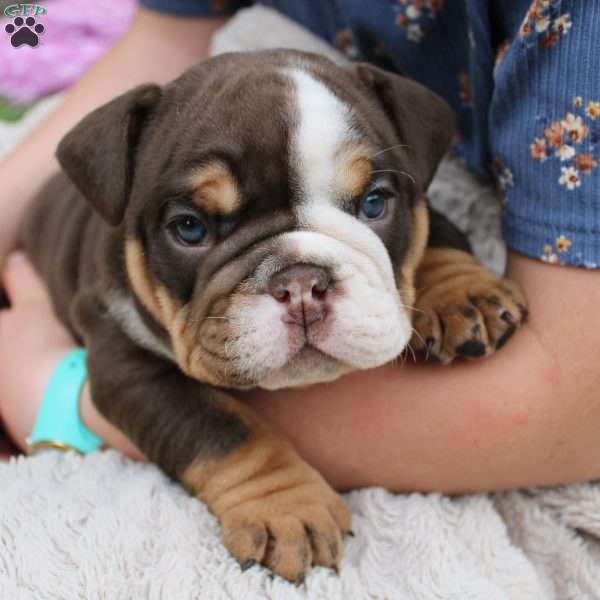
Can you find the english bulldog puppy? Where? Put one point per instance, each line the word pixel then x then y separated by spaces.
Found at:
pixel 260 221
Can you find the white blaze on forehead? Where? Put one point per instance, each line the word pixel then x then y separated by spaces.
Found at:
pixel 323 127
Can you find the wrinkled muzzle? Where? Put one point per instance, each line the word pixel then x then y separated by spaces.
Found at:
pixel 314 307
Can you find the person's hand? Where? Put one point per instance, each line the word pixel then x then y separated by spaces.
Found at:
pixel 32 342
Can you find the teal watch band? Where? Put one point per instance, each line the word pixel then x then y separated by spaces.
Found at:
pixel 58 424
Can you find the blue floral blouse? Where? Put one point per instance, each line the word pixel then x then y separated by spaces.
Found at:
pixel 524 79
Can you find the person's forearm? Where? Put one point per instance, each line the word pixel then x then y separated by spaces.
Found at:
pixel 157 48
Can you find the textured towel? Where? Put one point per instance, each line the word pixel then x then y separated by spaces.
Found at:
pixel 103 527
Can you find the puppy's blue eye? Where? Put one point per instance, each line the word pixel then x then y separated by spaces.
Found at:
pixel 189 229
pixel 372 205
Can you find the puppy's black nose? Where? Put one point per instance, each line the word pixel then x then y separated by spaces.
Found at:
pixel 304 289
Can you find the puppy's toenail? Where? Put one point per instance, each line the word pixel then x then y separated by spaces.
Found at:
pixel 248 564
pixel 504 338
pixel 333 550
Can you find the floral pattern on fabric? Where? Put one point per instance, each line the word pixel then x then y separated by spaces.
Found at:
pixel 544 25
pixel 411 14
pixel 345 43
pixel 572 140
pixel 592 110
pixel 552 253
pixel 504 176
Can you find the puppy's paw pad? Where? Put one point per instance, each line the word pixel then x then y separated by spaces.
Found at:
pixel 471 349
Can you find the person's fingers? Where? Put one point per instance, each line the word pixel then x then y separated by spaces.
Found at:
pixel 21 282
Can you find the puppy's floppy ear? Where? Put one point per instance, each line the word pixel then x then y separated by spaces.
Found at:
pixel 423 121
pixel 99 152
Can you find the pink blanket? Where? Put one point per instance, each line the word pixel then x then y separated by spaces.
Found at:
pixel 75 34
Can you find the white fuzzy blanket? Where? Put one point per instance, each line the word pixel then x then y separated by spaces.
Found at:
pixel 103 527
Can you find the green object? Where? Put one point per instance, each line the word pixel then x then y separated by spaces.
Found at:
pixel 11 112
pixel 58 424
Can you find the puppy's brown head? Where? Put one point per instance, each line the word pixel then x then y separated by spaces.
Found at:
pixel 272 212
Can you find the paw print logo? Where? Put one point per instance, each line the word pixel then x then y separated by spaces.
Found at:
pixel 24 32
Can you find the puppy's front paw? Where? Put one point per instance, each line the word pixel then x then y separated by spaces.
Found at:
pixel 288 530
pixel 462 309
pixel 275 510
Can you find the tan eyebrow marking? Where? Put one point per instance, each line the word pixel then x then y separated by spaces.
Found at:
pixel 215 189
pixel 353 172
